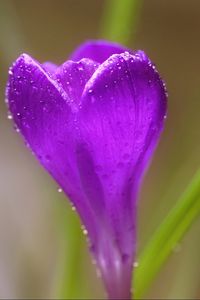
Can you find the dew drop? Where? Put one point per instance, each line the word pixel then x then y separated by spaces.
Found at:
pixel 126 53
pixel 80 68
pixel 136 264
pixel 10 117
pixel 34 88
pixel 73 208
pixel 85 232
pixel 60 190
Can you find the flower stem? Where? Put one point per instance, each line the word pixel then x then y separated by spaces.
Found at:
pixel 120 20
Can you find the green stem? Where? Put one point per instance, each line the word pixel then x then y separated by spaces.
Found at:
pixel 168 235
pixel 70 270
pixel 120 20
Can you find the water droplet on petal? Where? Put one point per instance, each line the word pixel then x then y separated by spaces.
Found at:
pixel 80 68
pixel 73 208
pixel 85 232
pixel 136 264
pixel 60 190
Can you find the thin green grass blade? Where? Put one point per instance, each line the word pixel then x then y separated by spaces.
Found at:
pixel 68 283
pixel 120 20
pixel 168 235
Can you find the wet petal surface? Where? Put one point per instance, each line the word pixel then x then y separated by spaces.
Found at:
pixel 123 109
pixel 44 110
pixel 93 123
pixel 98 51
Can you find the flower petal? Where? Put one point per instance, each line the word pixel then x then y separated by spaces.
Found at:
pixel 123 108
pixel 42 109
pixel 73 76
pixel 49 67
pixel 98 51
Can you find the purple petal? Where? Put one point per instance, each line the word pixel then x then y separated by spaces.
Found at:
pixel 73 76
pixel 49 67
pixel 44 112
pixel 98 51
pixel 123 108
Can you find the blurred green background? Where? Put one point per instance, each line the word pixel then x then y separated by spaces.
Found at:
pixel 37 225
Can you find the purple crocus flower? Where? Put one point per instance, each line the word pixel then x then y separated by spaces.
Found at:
pixel 93 123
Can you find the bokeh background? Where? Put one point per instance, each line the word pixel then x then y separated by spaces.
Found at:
pixel 38 228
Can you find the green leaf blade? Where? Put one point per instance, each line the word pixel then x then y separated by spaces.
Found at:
pixel 168 235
